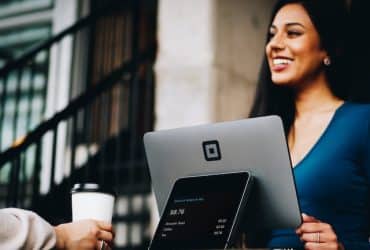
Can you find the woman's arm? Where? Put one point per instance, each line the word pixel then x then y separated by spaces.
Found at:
pixel 21 229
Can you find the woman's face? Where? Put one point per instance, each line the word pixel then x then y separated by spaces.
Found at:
pixel 294 52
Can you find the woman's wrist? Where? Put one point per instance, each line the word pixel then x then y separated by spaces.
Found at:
pixel 60 242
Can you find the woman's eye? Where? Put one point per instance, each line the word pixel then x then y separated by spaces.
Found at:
pixel 294 33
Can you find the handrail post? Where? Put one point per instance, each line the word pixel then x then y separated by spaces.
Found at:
pixel 54 156
pixel 12 199
pixel 36 174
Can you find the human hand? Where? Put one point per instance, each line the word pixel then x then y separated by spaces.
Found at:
pixel 317 234
pixel 83 234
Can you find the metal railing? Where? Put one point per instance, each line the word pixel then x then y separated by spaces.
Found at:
pixel 95 138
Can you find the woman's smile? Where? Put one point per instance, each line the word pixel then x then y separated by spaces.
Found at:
pixel 280 63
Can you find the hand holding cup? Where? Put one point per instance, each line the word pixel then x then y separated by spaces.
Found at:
pixel 91 202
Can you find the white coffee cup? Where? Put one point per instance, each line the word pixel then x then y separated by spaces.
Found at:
pixel 91 201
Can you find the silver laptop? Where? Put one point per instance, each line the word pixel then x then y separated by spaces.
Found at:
pixel 257 145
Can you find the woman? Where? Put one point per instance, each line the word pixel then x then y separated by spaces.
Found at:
pixel 304 80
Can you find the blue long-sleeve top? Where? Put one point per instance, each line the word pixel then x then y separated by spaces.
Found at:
pixel 333 180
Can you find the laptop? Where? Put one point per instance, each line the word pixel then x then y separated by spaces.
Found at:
pixel 256 145
pixel 203 212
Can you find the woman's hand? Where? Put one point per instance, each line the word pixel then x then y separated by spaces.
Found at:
pixel 318 235
pixel 84 234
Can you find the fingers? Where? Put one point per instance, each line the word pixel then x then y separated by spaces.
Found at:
pixel 105 225
pixel 318 238
pixel 106 231
pixel 309 227
pixel 313 227
pixel 311 245
pixel 314 237
pixel 311 224
pixel 310 237
pixel 105 235
pixel 307 218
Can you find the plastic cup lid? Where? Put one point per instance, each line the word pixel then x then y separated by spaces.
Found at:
pixel 92 187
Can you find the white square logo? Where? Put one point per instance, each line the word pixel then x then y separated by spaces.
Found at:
pixel 211 150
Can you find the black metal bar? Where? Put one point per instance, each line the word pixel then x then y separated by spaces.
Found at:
pixel 135 78
pixel 85 111
pixel 2 107
pixel 74 105
pixel 54 156
pixel 102 136
pixel 36 174
pixel 109 116
pixel 46 74
pixel 136 28
pixel 89 136
pixel 115 43
pixel 93 119
pixel 23 184
pixel 9 194
pixel 14 181
pixel 31 92
pixel 73 147
pixel 124 37
pixel 100 108
pixel 118 140
pixel 88 139
pixel 133 143
pixel 111 46
pixel 17 99
pixel 124 104
pixel 149 97
pixel 30 97
pixel 90 57
pixel 133 118
pixel 106 165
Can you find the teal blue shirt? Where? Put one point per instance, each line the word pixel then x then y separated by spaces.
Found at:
pixel 333 180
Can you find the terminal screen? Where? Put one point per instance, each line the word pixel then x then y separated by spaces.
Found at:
pixel 200 212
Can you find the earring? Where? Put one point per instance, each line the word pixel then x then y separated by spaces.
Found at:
pixel 327 61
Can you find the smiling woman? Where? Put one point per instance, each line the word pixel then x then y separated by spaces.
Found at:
pixel 294 52
pixel 305 79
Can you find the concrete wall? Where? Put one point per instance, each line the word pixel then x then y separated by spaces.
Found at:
pixel 184 63
pixel 208 61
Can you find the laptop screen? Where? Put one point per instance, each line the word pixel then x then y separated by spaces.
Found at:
pixel 200 212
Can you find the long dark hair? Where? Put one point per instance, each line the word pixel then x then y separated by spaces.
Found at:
pixel 330 18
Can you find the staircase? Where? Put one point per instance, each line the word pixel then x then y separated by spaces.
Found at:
pixel 97 136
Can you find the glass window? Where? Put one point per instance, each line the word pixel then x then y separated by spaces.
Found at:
pixel 24 88
pixel 10 8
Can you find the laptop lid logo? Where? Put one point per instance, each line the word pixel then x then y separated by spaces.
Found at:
pixel 211 150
